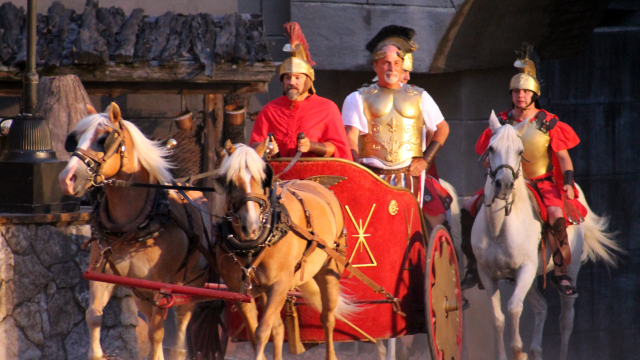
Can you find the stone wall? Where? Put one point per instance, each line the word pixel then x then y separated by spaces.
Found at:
pixel 43 297
pixel 337 31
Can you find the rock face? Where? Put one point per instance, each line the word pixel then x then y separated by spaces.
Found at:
pixel 43 297
pixel 101 35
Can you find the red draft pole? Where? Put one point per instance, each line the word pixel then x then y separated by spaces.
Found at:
pixel 158 286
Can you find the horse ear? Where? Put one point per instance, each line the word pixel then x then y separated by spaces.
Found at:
pixel 91 110
pixel 522 127
pixel 114 113
pixel 260 149
pixel 229 147
pixel 494 124
pixel 218 186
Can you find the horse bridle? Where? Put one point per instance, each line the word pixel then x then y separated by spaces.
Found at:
pixel 114 143
pixel 266 201
pixel 492 175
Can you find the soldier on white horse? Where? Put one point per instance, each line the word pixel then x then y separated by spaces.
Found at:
pixel 547 168
pixel 525 151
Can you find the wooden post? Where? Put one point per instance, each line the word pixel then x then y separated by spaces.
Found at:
pixel 212 119
pixel 62 101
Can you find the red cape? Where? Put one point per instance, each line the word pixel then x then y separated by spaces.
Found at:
pixel 562 138
pixel 318 118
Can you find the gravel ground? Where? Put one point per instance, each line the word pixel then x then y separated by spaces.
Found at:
pixel 344 351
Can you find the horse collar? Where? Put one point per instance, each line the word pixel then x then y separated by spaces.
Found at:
pixel 274 228
pixel 154 217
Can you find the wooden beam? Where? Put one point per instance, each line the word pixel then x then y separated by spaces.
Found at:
pixel 115 89
pixel 184 71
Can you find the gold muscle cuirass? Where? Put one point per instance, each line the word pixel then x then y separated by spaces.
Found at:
pixel 394 118
pixel 536 142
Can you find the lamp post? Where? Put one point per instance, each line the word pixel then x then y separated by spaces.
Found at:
pixel 29 167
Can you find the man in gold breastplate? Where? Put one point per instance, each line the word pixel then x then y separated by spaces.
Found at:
pixel 385 122
pixel 549 170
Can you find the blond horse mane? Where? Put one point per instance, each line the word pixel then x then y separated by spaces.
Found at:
pixel 244 161
pixel 151 154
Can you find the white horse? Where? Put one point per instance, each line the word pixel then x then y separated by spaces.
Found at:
pixel 506 244
pixel 406 342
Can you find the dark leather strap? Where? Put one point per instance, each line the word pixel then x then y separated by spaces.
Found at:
pixel 318 148
pixel 347 265
pixel 568 177
pixel 431 152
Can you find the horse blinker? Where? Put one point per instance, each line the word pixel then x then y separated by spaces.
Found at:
pixel 71 143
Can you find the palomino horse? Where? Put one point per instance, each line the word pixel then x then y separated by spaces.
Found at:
pixel 254 246
pixel 144 234
pixel 506 244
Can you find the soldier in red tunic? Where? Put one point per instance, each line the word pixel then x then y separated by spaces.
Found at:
pixel 301 110
pixel 549 171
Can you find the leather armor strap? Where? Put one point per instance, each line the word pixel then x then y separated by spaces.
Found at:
pixel 379 171
pixel 431 152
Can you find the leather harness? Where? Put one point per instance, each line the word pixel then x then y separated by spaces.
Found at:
pixel 283 224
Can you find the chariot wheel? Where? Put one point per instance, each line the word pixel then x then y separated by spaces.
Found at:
pixel 443 297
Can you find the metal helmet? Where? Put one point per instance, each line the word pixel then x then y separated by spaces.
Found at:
pixel 526 79
pixel 300 60
pixel 296 65
pixel 398 36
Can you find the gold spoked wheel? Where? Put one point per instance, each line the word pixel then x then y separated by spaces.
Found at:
pixel 443 297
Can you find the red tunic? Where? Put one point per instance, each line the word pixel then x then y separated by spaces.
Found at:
pixel 318 118
pixel 562 138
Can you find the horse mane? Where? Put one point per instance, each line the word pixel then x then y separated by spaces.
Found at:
pixel 505 136
pixel 151 154
pixel 244 161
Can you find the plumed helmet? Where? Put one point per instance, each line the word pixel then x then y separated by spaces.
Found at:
pixel 398 36
pixel 300 60
pixel 526 79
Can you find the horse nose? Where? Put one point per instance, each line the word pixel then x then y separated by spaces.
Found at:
pixel 499 183
pixel 251 232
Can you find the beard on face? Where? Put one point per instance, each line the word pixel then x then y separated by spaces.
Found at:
pixel 391 77
pixel 293 92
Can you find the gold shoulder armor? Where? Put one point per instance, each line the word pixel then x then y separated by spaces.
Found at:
pixel 412 89
pixel 371 89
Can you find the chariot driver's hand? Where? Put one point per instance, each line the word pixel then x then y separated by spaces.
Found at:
pixel 272 149
pixel 569 189
pixel 304 145
pixel 418 165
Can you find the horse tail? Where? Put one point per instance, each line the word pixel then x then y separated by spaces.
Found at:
pixel 311 293
pixel 453 217
pixel 599 244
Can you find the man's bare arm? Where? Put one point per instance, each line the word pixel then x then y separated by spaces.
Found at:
pixel 325 149
pixel 418 165
pixel 353 133
pixel 441 133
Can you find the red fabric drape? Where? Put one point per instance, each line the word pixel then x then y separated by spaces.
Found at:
pixel 318 118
